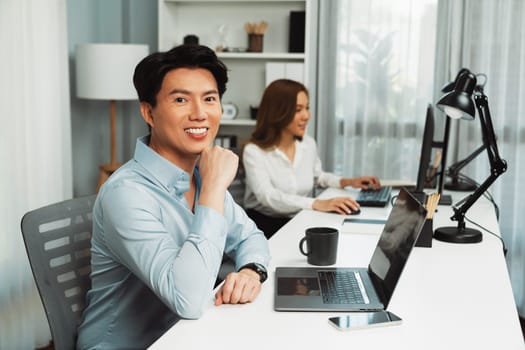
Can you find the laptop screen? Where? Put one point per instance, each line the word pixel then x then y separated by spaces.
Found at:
pixel 395 244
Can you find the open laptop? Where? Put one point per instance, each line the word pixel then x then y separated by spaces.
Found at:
pixel 356 289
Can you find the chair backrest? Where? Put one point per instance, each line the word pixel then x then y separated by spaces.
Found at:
pixel 58 243
pixel 237 187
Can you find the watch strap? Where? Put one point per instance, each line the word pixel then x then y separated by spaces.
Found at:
pixel 260 269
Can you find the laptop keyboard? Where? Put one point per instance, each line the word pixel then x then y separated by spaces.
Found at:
pixel 373 198
pixel 340 287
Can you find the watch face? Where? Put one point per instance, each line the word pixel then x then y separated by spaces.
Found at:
pixel 229 110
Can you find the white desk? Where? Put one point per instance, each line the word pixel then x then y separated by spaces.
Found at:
pixel 444 297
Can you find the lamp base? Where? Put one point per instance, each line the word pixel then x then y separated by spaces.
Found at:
pixel 105 172
pixel 445 199
pixel 458 235
pixel 458 185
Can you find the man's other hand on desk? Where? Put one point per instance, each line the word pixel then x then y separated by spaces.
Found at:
pixel 341 205
pixel 239 288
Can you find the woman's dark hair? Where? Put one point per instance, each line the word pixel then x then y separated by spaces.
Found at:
pixel 150 72
pixel 276 111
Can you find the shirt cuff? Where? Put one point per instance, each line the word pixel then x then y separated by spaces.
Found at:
pixel 209 224
pixel 306 203
pixel 330 180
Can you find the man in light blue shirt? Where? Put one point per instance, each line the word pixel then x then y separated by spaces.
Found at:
pixel 163 221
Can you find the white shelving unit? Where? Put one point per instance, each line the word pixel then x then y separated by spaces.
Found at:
pixel 206 18
pixel 238 121
pixel 261 56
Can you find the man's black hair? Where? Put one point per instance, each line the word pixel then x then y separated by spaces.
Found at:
pixel 150 72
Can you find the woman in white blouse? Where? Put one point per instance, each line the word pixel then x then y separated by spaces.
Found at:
pixel 282 165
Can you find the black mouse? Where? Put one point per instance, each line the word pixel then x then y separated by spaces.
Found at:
pixel 355 212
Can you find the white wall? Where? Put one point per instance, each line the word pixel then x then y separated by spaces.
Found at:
pixel 105 21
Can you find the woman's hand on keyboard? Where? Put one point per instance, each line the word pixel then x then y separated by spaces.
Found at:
pixel 341 205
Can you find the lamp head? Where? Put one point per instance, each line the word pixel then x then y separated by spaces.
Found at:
pixel 458 103
pixel 448 87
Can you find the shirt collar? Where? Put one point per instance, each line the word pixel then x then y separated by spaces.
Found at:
pixel 167 174
pixel 299 150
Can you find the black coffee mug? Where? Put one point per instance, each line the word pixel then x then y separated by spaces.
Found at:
pixel 321 245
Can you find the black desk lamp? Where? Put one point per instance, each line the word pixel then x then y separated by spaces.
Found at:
pixel 458 104
pixel 453 171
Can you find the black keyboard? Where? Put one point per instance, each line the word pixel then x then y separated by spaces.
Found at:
pixel 340 287
pixel 373 198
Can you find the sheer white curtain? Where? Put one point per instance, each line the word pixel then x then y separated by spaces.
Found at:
pixel 35 151
pixel 492 38
pixel 373 92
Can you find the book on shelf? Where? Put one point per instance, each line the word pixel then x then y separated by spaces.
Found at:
pixel 226 141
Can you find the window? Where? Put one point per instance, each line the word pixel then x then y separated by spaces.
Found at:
pixel 374 91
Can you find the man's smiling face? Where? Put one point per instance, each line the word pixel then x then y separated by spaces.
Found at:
pixel 187 115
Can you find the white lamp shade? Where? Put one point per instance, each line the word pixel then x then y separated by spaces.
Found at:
pixel 105 71
pixel 452 112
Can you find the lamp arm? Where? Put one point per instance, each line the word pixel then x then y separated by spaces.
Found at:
pixel 497 165
pixel 489 137
pixel 454 169
pixel 459 213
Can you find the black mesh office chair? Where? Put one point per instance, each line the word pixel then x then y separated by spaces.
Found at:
pixel 58 242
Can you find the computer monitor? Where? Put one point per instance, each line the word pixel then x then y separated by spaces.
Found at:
pixel 443 145
pixel 427 146
pixel 425 156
